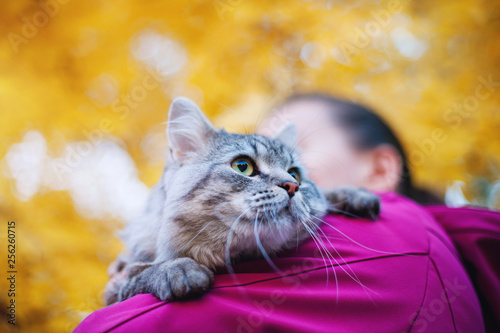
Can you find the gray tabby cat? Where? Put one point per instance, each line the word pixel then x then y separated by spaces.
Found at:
pixel 222 197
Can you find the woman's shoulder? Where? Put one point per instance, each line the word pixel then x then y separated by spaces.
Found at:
pixel 475 232
pixel 396 274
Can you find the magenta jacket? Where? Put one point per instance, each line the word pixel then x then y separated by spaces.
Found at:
pixel 401 273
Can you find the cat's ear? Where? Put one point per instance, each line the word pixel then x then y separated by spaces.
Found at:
pixel 188 130
pixel 287 135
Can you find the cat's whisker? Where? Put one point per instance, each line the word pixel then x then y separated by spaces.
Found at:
pixel 266 217
pixel 355 242
pixel 331 237
pixel 321 247
pixel 278 227
pixel 354 276
pixel 259 119
pixel 274 219
pixel 234 115
pixel 227 255
pixel 199 232
pixel 229 239
pixel 261 248
pixel 271 221
pixel 338 211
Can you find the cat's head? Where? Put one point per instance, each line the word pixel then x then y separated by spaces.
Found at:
pixel 250 191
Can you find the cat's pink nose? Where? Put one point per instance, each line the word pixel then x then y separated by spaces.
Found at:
pixel 290 187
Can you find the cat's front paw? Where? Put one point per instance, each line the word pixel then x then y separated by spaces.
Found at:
pixel 121 275
pixel 188 278
pixel 353 201
pixel 175 279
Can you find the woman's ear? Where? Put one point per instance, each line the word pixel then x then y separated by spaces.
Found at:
pixel 387 168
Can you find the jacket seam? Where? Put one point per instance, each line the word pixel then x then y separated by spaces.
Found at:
pixel 269 279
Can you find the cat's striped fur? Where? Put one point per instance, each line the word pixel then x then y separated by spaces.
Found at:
pixel 203 214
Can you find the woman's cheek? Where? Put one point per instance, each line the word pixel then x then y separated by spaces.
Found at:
pixel 326 170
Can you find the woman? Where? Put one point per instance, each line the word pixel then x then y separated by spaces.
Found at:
pixel 346 144
pixel 400 273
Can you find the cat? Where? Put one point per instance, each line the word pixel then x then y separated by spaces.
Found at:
pixel 222 198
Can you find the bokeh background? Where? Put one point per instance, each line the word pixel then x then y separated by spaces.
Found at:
pixel 85 88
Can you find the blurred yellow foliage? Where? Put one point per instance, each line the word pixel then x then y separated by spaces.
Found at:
pixel 82 71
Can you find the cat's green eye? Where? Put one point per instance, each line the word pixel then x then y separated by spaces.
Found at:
pixel 243 165
pixel 294 172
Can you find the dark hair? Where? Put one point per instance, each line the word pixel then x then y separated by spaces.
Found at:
pixel 368 131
